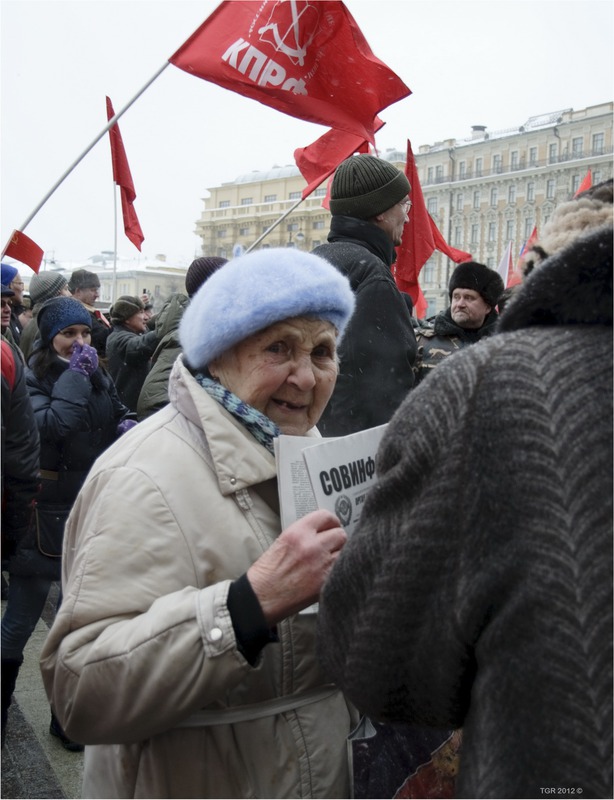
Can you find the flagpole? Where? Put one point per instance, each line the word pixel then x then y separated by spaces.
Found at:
pixel 110 124
pixel 283 216
pixel 114 292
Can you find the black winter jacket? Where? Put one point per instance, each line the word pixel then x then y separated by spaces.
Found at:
pixel 378 351
pixel 129 360
pixel 20 450
pixel 445 338
pixel 77 420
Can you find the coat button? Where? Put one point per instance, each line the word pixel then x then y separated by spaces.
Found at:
pixel 233 481
pixel 215 634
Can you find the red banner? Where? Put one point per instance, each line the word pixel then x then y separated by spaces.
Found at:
pixel 306 59
pixel 321 158
pixel 25 250
pixel 123 178
pixel 421 237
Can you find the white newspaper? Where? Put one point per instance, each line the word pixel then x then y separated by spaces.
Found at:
pixel 331 473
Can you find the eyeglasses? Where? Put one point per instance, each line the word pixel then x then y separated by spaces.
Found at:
pixel 405 205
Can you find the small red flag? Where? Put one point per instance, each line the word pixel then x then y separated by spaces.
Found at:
pixel 123 178
pixel 525 248
pixel 420 238
pixel 321 158
pixel 23 249
pixel 309 60
pixel 587 182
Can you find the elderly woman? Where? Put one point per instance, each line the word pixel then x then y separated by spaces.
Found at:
pixel 180 653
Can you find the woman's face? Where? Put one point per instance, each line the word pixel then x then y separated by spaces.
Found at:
pixel 64 341
pixel 287 371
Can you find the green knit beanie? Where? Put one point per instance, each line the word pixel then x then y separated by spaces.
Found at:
pixel 365 186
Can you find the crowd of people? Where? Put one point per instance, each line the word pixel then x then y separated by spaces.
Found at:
pixel 459 642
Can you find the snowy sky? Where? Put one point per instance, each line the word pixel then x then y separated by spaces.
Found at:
pixel 467 62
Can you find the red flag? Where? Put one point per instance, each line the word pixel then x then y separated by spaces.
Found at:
pixel 587 182
pixel 420 238
pixel 309 60
pixel 123 178
pixel 526 246
pixel 23 249
pixel 321 158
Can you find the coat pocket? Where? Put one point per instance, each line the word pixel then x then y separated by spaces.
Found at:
pixel 50 530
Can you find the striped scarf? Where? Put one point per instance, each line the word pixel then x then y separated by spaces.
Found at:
pixel 263 429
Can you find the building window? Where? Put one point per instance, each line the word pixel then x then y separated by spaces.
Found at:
pixel 478 168
pixel 318 225
pixel 474 234
pixel 292 226
pixel 429 272
pixel 244 231
pixel 221 233
pixel 460 202
pixel 598 144
pixel 320 192
pixel 528 227
pixel 530 192
pixel 575 184
pixel 492 231
pixel 577 145
pixel 497 164
pixel 439 174
pixel 494 196
pixel 511 194
pixel 509 230
pixel 246 201
pixel 295 196
pixel 316 243
pixel 550 188
pixel 270 198
pixel 264 228
pixel 552 153
pixel 429 175
pixel 476 200
pixel 514 163
pixel 532 156
pixel 431 205
pixel 597 178
pixel 458 232
pixel 224 204
pixel 462 169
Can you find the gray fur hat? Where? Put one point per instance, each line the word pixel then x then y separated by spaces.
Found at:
pixel 480 278
pixel 125 307
pixel 364 186
pixel 572 219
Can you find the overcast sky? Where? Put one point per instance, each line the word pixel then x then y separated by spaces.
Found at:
pixel 475 62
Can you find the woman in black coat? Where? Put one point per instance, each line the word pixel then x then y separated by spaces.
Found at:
pixel 78 415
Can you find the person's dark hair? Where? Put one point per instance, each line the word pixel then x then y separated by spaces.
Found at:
pixel 42 359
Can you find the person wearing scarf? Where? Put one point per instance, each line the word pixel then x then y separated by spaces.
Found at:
pixel 180 656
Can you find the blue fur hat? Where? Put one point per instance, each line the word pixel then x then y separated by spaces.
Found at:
pixel 59 313
pixel 256 290
pixel 9 273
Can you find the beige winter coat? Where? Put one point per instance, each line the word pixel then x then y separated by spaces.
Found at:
pixel 143 640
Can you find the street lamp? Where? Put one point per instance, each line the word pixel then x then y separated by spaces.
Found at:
pixel 299 238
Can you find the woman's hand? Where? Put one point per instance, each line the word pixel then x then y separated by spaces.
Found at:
pixel 84 359
pixel 289 575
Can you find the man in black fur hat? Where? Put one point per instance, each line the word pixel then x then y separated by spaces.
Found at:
pixel 474 291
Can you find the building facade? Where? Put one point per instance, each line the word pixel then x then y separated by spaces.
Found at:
pixel 483 192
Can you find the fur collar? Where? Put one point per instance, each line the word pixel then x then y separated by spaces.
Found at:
pixel 572 287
